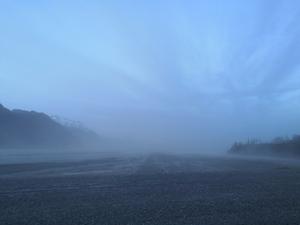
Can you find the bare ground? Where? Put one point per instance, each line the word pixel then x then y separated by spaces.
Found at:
pixel 156 189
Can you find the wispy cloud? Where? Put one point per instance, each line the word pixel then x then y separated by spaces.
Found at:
pixel 214 64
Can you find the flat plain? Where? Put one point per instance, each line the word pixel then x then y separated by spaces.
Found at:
pixel 154 189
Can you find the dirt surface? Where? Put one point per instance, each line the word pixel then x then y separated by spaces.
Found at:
pixel 155 189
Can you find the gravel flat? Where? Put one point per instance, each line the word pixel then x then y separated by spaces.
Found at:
pixel 156 189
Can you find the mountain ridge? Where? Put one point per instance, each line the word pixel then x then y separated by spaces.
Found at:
pixel 31 129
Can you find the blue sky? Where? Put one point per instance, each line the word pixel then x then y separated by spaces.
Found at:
pixel 190 73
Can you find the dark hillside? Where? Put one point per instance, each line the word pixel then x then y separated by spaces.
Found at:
pixel 30 129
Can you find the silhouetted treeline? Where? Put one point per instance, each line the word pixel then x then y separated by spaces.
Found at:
pixel 278 147
pixel 29 129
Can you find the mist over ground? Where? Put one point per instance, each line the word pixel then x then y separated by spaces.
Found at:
pixel 149 112
pixel 191 76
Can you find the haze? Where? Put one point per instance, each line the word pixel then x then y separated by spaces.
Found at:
pixel 186 74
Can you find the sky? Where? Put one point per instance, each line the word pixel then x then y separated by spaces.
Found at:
pixel 189 74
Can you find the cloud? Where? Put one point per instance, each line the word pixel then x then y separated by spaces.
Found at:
pixel 195 68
